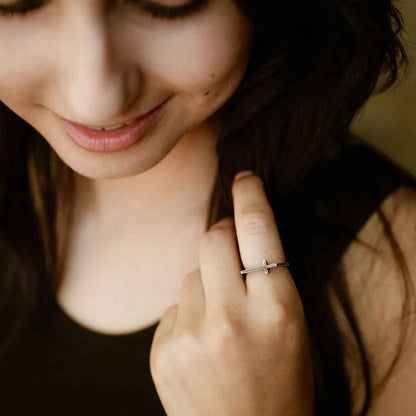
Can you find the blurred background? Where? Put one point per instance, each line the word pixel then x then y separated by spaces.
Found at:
pixel 388 120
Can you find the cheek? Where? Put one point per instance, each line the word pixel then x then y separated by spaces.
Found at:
pixel 23 70
pixel 196 60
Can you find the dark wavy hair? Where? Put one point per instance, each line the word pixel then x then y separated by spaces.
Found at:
pixel 313 65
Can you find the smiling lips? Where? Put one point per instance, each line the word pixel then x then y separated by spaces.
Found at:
pixel 113 139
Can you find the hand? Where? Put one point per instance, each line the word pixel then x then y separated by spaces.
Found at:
pixel 231 347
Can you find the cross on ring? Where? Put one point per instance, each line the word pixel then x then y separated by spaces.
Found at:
pixel 265 267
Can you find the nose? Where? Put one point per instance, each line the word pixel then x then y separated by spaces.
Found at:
pixel 99 77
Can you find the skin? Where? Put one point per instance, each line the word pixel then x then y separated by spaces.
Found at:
pixel 138 246
pixel 231 347
pixel 96 65
pixel 93 65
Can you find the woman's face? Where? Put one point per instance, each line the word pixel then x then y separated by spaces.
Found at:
pixel 99 63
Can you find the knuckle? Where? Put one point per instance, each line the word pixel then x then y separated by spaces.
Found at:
pixel 188 346
pixel 219 232
pixel 226 222
pixel 226 329
pixel 223 339
pixel 284 315
pixel 256 219
pixel 169 312
pixel 190 279
pixel 229 316
pixel 160 361
pixel 281 314
pixel 173 356
pixel 214 236
pixel 193 274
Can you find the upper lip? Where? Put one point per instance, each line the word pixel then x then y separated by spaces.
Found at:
pixel 109 125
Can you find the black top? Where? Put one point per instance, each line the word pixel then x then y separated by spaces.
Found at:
pixel 68 369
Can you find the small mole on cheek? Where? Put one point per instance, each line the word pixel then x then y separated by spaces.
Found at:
pixel 207 93
pixel 212 75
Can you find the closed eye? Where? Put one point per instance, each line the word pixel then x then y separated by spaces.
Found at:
pixel 181 11
pixel 154 9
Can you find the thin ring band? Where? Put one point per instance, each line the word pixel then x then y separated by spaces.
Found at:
pixel 265 267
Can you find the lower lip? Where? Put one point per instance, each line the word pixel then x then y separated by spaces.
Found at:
pixel 111 140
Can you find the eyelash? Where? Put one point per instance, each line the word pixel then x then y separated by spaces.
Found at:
pixel 154 10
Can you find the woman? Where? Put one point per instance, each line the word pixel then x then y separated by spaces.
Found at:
pixel 122 250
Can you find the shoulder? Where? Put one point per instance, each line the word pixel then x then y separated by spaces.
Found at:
pixel 350 211
pixel 377 284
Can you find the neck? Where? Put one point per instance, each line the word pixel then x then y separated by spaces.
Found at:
pixel 174 191
pixel 135 238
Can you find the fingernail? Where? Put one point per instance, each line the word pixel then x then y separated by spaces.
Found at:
pixel 242 173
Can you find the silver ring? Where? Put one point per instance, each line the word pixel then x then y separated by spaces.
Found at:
pixel 265 267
